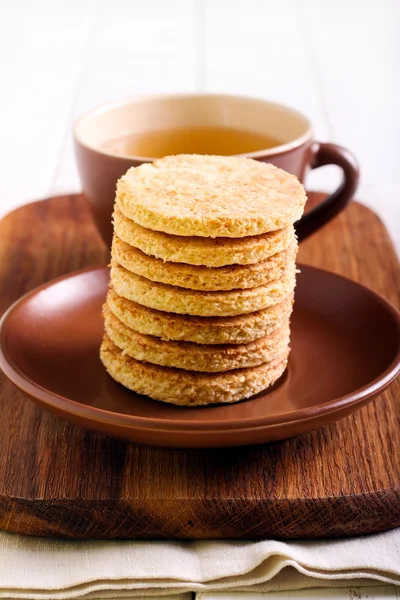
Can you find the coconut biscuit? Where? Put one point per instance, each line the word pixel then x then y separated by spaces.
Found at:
pixel 203 278
pixel 208 252
pixel 195 357
pixel 188 388
pixel 169 298
pixel 210 196
pixel 200 330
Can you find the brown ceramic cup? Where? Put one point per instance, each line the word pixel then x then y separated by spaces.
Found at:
pixel 297 152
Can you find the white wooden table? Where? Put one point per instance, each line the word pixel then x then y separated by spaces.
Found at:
pixel 383 592
pixel 337 61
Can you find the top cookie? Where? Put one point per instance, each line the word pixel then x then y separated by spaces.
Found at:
pixel 210 196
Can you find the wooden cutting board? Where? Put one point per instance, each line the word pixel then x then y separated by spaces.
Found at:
pixel 58 480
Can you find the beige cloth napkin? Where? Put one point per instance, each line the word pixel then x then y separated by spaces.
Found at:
pixel 52 569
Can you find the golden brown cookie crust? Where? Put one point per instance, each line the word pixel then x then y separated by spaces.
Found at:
pixel 200 330
pixel 210 196
pixel 195 357
pixel 208 252
pixel 169 298
pixel 203 278
pixel 188 388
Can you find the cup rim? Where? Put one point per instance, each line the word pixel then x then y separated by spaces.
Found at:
pixel 107 106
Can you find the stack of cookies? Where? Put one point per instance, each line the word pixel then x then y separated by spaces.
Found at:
pixel 202 278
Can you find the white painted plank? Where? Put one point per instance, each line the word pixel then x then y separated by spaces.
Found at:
pixel 381 592
pixel 42 45
pixel 119 595
pixel 138 48
pixel 259 48
pixel 356 49
pixel 335 62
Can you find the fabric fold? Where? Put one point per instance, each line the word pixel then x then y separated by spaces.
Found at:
pixel 62 570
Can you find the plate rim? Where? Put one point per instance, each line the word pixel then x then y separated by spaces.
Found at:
pixel 51 400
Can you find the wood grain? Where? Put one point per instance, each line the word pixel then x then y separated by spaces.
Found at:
pixel 58 480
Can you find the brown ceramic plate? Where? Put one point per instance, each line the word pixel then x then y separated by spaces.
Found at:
pixel 345 350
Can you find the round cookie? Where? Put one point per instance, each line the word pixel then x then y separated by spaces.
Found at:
pixel 208 252
pixel 203 278
pixel 210 196
pixel 169 298
pixel 188 388
pixel 200 330
pixel 195 357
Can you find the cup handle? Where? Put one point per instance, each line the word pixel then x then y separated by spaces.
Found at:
pixel 330 154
